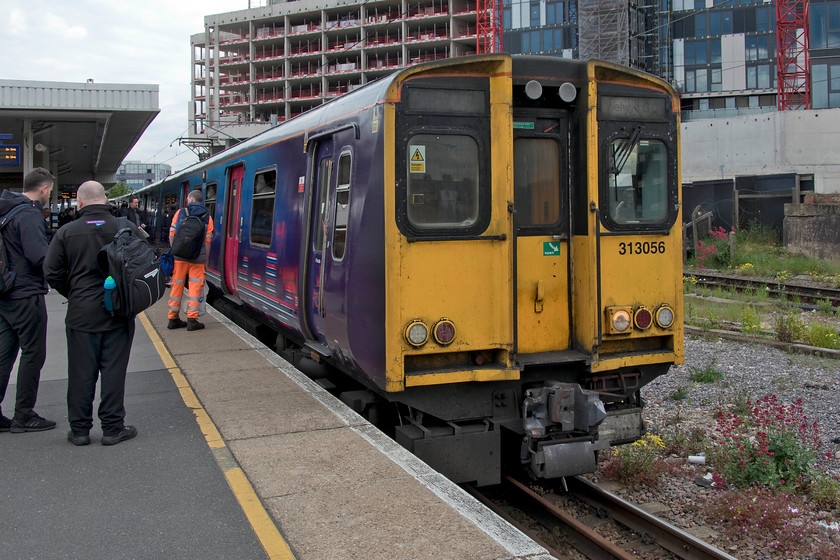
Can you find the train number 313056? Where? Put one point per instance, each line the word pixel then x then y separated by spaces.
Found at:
pixel 640 248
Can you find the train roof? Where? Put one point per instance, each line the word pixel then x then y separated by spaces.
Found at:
pixel 526 66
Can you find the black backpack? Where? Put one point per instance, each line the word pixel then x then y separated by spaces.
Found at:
pixel 135 269
pixel 189 236
pixel 7 275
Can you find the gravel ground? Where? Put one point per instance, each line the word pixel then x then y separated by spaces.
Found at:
pixel 752 370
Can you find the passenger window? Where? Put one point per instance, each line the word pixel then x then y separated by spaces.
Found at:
pixel 262 211
pixel 638 181
pixel 210 199
pixel 536 181
pixel 442 185
pixel 342 205
pixel 324 172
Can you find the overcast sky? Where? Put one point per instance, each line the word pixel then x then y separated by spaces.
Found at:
pixel 114 41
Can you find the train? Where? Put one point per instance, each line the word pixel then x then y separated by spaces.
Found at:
pixel 489 246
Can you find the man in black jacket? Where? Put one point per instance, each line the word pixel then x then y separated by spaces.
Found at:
pixel 23 314
pixel 97 342
pixel 132 212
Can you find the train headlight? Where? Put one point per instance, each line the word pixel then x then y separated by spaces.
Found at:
pixel 416 333
pixel 444 331
pixel 642 318
pixel 664 316
pixel 618 320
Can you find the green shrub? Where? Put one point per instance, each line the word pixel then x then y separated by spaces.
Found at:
pixel 825 491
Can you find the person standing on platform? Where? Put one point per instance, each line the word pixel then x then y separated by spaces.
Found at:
pixel 133 213
pixel 97 342
pixel 191 270
pixel 23 313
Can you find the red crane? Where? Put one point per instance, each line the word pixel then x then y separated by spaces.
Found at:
pixel 793 63
pixel 489 26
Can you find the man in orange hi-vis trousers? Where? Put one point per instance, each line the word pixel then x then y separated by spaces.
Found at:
pixel 189 269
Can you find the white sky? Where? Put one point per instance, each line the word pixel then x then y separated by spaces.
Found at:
pixel 114 41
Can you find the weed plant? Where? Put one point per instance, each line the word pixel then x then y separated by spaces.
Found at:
pixel 773 445
pixel 750 320
pixel 679 394
pixel 638 462
pixel 789 326
pixel 708 374
pixel 823 336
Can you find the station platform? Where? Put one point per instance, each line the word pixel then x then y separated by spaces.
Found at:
pixel 239 455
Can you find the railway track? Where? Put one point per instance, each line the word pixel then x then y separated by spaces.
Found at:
pixel 650 529
pixel 806 294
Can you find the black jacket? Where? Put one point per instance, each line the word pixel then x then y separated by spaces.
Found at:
pixel 26 245
pixel 71 268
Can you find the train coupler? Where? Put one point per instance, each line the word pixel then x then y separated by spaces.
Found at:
pixel 561 421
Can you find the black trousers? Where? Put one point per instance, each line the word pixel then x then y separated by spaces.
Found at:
pixel 88 356
pixel 23 324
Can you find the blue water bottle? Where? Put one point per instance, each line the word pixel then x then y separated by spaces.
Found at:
pixel 109 288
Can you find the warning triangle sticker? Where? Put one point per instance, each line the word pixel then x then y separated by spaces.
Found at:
pixel 417 156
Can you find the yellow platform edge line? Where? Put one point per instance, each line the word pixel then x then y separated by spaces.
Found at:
pixel 264 527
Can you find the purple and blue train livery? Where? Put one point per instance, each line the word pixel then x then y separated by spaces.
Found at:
pixel 486 244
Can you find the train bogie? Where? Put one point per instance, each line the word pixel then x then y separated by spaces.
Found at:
pixel 488 243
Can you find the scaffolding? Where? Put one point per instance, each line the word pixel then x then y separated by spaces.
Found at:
pixel 489 26
pixel 793 65
pixel 604 30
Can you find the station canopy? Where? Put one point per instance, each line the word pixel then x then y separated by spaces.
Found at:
pixel 79 131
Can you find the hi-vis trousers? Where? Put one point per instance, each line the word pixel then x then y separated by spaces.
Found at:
pixel 193 273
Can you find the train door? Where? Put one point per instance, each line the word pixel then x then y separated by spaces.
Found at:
pixel 321 173
pixel 233 226
pixel 542 226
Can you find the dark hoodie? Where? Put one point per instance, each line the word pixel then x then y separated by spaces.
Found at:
pixel 195 209
pixel 26 245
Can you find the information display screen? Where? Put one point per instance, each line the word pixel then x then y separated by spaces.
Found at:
pixel 9 155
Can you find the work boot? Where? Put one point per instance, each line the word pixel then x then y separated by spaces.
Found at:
pixel 194 325
pixel 176 323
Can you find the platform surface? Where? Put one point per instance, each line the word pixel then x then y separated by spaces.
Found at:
pixel 239 456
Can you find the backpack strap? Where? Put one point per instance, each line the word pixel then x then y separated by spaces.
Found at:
pixel 5 219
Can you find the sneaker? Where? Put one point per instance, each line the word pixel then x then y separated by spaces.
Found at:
pixel 176 323
pixel 127 432
pixel 32 424
pixel 5 424
pixel 194 325
pixel 77 439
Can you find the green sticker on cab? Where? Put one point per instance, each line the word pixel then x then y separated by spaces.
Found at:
pixel 550 249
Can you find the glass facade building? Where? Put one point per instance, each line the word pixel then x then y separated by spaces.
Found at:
pixel 719 54
pixel 136 174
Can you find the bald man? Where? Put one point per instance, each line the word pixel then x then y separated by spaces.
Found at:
pixel 97 342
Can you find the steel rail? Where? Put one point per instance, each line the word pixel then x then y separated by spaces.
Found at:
pixel 811 293
pixel 585 540
pixel 651 528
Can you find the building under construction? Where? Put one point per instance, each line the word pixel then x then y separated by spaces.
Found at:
pixel 264 65
pixel 256 67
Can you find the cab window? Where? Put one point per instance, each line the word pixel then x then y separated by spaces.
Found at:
pixel 536 181
pixel 442 183
pixel 638 181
